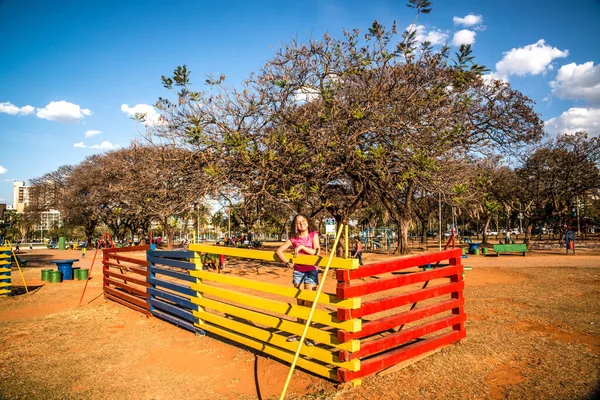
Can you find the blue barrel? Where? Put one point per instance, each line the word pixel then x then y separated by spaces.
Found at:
pixel 66 271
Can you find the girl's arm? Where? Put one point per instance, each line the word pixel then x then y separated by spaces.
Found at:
pixel 280 251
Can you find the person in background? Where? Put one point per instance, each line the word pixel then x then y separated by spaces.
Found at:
pixel 83 248
pixel 305 240
pixel 357 250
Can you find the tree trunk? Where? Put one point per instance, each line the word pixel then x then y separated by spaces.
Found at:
pixel 403 237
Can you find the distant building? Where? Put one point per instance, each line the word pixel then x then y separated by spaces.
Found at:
pixel 20 196
pixel 50 219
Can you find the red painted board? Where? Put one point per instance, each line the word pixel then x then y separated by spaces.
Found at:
pixel 127 297
pixel 383 324
pixel 396 265
pixel 393 357
pixel 127 278
pixel 136 261
pixel 138 270
pixel 129 249
pixel 126 287
pixel 123 302
pixel 399 338
pixel 345 291
pixel 375 306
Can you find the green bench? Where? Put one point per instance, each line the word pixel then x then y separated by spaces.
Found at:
pixel 510 248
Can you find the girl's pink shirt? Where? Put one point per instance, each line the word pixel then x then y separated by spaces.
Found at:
pixel 307 241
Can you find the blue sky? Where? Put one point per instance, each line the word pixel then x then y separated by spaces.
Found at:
pixel 72 72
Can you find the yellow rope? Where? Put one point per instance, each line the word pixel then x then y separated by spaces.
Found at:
pixel 312 310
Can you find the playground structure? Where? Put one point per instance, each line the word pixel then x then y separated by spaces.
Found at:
pixel 6 256
pixel 369 324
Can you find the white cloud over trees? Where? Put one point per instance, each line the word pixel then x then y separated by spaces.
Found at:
pixel 151 116
pixel 573 120
pixel 3 170
pixel 62 111
pixel 463 36
pixel 435 36
pixel 532 59
pixel 578 82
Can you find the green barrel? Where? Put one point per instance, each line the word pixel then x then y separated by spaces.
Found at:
pixel 55 277
pixel 62 243
pixel 464 250
pixel 476 252
pixel 484 250
pixel 83 274
pixel 76 273
pixel 46 274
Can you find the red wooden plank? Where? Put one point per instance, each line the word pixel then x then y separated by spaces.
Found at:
pixel 345 291
pixel 136 261
pixel 396 265
pixel 375 306
pixel 145 247
pixel 138 270
pixel 127 297
pixel 393 357
pixel 127 288
pixel 132 306
pixel 127 278
pixel 399 338
pixel 383 324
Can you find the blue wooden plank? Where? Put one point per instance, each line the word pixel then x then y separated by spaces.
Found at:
pixel 173 309
pixel 171 263
pixel 174 274
pixel 172 253
pixel 176 321
pixel 182 301
pixel 172 286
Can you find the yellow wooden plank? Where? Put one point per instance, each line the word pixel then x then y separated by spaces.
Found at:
pixel 4 270
pixel 293 310
pixel 340 263
pixel 316 334
pixel 313 367
pixel 317 353
pixel 5 284
pixel 325 298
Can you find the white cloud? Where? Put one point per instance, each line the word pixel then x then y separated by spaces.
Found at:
pixel 105 145
pixel 63 111
pixel 80 145
pixel 469 20
pixel 3 170
pixel 578 82
pixel 9 108
pixel 152 117
pixel 463 36
pixel 92 132
pixel 573 120
pixel 532 59
pixel 489 78
pixel 436 36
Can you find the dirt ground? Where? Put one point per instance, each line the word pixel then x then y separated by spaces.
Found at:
pixel 533 331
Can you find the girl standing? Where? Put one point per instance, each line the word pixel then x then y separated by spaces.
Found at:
pixel 305 240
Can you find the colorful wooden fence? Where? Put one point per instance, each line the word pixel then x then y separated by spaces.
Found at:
pixel 381 314
pixel 169 288
pixel 125 276
pixel 5 267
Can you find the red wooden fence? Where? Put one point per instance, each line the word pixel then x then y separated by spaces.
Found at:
pixel 125 276
pixel 393 298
